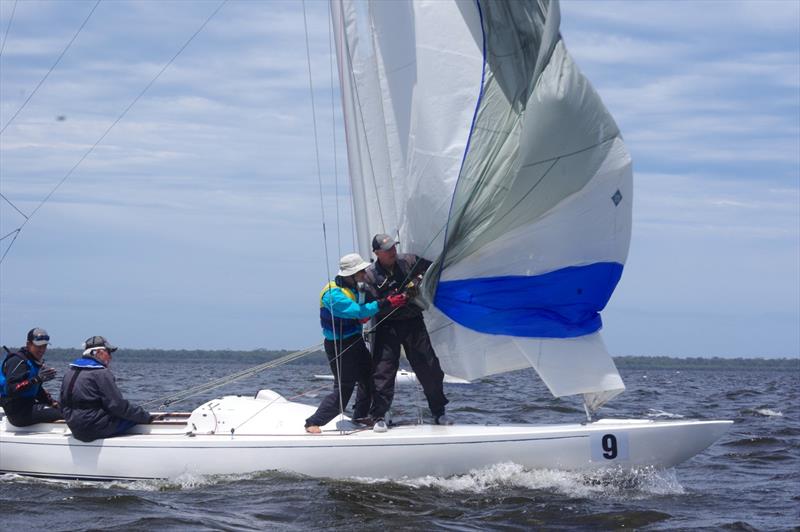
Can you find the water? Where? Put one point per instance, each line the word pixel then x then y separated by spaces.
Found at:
pixel 749 480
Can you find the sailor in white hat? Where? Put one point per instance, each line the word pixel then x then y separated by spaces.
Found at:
pixel 342 313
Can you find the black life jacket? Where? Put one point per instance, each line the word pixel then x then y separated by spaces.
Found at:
pixel 33 371
pixel 383 283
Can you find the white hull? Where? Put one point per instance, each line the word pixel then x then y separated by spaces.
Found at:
pixel 268 435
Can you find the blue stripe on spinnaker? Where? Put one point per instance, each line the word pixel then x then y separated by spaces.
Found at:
pixel 561 304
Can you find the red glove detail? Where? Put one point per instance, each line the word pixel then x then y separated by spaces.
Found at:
pixel 364 320
pixel 397 300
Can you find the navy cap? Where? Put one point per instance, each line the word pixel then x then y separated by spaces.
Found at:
pixel 38 336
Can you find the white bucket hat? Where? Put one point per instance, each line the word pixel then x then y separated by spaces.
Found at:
pixel 351 264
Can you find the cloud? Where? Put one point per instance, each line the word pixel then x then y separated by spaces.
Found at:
pixel 696 18
pixel 201 211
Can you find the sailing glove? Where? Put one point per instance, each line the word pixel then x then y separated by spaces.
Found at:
pixel 397 300
pixel 45 374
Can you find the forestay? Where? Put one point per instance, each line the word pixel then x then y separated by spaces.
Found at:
pixel 474 137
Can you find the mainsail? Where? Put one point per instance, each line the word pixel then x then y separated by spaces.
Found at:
pixel 473 136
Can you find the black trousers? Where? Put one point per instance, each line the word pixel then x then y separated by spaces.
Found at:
pixel 356 370
pixel 413 336
pixel 23 412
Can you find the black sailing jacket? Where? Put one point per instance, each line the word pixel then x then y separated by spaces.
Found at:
pixel 383 283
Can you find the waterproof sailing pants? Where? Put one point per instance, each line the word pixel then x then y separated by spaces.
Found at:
pixel 413 336
pixel 24 412
pixel 356 370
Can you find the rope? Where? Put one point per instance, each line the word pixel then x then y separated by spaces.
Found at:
pixel 8 28
pixel 333 136
pixel 64 51
pixel 13 206
pixel 108 130
pixel 233 377
pixel 346 46
pixel 222 381
pixel 322 205
pixel 14 232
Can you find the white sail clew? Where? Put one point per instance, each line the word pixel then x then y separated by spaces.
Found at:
pixel 474 137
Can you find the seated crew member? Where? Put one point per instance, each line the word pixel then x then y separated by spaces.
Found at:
pixel 92 404
pixel 342 312
pixel 22 396
pixel 390 274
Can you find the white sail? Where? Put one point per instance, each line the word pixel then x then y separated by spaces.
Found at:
pixel 474 137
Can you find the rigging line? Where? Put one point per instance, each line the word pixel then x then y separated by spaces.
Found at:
pixel 319 181
pixel 9 234
pixel 228 379
pixel 389 173
pixel 254 414
pixel 316 141
pixel 119 118
pixel 14 206
pixel 16 234
pixel 63 52
pixel 333 127
pixel 419 257
pixel 352 215
pixel 338 376
pixel 359 110
pixel 216 383
pixel 333 37
pixel 312 390
pixel 10 20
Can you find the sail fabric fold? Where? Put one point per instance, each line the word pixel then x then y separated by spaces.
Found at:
pixel 559 304
pixel 474 137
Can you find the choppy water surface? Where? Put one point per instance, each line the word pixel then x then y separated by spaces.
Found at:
pixel 749 480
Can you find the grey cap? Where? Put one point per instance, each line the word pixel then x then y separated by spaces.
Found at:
pixel 96 342
pixel 383 242
pixel 38 336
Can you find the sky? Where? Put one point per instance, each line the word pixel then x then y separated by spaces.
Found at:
pixel 197 221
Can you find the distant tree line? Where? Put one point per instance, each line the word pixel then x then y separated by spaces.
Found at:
pixel 318 357
pixel 665 362
pixel 207 355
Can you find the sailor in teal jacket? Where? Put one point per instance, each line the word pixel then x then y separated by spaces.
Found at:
pixel 342 311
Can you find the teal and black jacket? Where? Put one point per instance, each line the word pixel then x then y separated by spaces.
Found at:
pixel 340 313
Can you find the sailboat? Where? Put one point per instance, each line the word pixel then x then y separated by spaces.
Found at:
pixel 473 137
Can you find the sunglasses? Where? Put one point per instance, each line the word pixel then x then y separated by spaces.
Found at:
pixel 41 337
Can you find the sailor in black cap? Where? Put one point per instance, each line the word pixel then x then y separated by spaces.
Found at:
pixel 404 326
pixel 22 396
pixel 93 405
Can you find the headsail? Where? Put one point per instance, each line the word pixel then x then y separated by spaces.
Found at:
pixel 474 137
